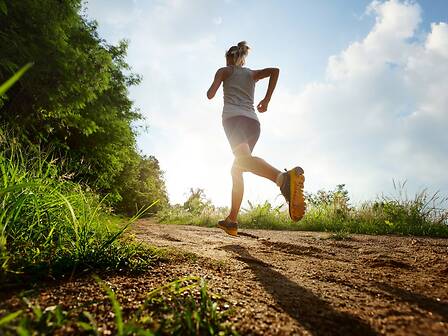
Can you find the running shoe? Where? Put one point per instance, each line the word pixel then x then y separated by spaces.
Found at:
pixel 292 190
pixel 231 228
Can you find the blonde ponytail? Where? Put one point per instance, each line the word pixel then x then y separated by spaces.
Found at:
pixel 239 53
pixel 243 51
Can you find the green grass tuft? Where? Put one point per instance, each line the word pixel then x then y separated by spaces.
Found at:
pixel 182 307
pixel 50 224
pixel 424 214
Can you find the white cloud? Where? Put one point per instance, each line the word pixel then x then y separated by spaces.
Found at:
pixel 396 22
pixel 217 20
pixel 171 44
pixel 438 41
pixel 382 112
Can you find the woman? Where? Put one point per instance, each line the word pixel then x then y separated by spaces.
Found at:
pixel 242 129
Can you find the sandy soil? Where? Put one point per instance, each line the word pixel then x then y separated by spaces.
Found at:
pixel 281 282
pixel 286 283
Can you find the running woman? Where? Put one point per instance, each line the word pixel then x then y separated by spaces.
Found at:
pixel 242 129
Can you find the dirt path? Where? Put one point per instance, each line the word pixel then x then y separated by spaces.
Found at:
pixel 287 283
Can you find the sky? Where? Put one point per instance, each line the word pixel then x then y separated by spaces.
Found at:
pixel 361 99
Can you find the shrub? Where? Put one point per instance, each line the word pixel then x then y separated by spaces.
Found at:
pixel 331 211
pixel 48 222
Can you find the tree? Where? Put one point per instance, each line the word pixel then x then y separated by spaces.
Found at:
pixel 143 184
pixel 75 97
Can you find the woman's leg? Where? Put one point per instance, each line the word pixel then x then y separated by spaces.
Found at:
pixel 244 161
pixel 237 192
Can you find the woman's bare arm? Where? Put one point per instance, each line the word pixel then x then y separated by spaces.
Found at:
pixel 273 74
pixel 220 76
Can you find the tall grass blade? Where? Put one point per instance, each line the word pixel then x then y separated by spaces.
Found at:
pixel 8 318
pixel 14 78
pixel 115 305
pixel 3 7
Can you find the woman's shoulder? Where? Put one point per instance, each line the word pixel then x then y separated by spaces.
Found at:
pixel 226 71
pixel 248 70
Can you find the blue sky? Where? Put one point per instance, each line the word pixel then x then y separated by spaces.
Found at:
pixel 360 98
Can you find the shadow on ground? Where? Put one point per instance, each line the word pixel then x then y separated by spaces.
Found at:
pixel 308 309
pixel 420 300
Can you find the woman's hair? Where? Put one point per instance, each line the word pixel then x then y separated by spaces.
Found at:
pixel 238 53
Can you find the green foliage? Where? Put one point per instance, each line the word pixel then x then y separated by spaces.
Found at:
pixel 196 210
pixel 338 198
pixel 181 307
pixel 3 7
pixel 14 78
pixel 142 184
pixel 340 235
pixel 38 322
pixel 331 211
pixel 75 98
pixel 177 214
pixel 196 202
pixel 264 215
pixel 185 307
pixel 50 223
pixel 424 214
pixel 35 320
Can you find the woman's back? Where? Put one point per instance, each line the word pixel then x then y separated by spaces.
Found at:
pixel 239 90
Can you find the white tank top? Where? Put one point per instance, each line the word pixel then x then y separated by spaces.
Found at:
pixel 239 90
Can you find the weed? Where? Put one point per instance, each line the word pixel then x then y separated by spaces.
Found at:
pixel 50 224
pixel 185 307
pixel 340 235
pixel 182 307
pixel 424 214
pixel 36 321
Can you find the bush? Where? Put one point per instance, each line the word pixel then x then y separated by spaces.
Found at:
pixel 142 184
pixel 196 210
pixel 48 222
pixel 331 211
pixel 424 214
pixel 177 214
pixel 264 216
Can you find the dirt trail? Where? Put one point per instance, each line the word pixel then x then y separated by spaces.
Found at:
pixel 287 283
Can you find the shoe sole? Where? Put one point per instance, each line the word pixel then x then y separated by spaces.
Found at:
pixel 230 232
pixel 297 204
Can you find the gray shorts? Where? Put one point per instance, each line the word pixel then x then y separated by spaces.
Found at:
pixel 241 130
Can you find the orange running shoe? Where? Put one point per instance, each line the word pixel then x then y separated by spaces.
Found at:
pixel 231 228
pixel 292 190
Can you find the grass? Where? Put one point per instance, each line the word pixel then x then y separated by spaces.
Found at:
pixel 340 235
pixel 14 78
pixel 179 215
pixel 182 307
pixel 51 225
pixel 424 214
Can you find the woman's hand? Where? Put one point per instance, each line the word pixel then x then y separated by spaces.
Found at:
pixel 263 105
pixel 272 73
